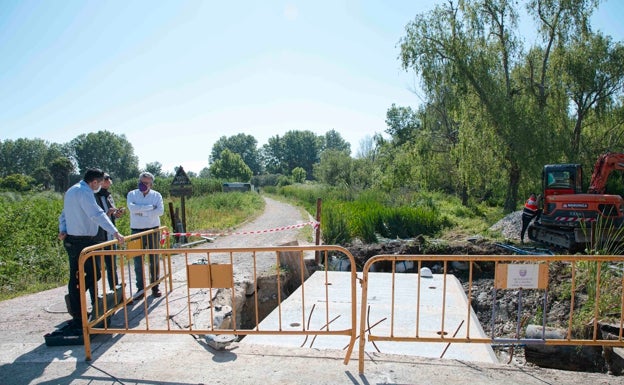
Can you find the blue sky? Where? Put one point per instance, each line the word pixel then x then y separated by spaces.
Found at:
pixel 175 76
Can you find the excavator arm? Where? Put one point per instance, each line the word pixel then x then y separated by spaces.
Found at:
pixel 605 164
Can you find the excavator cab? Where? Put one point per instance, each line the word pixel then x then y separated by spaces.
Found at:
pixel 561 179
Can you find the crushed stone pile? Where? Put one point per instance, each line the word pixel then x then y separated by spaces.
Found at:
pixel 510 225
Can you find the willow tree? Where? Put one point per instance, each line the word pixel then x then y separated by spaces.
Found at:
pixel 472 49
pixel 594 76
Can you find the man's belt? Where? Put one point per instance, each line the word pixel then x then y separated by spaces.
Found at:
pixel 85 238
pixel 141 230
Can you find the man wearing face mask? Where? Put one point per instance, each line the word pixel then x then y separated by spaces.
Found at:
pixel 78 228
pixel 146 206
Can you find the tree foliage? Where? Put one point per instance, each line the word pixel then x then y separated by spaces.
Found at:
pixel 334 141
pixel 593 75
pixel 298 175
pixel 295 149
pixel 23 156
pixel 246 146
pixel 335 168
pixel 43 176
pixel 231 167
pixel 487 100
pixel 17 182
pixel 107 151
pixel 60 169
pixel 155 168
pixel 402 124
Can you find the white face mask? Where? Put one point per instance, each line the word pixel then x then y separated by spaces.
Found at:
pixel 97 190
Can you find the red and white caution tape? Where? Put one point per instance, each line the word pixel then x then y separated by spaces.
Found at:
pixel 166 234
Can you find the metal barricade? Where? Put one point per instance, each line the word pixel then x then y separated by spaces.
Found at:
pixel 428 311
pixel 204 278
pixel 421 319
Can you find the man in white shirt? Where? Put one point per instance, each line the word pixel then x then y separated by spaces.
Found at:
pixel 146 206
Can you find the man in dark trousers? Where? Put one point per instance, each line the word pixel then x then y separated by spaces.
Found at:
pixel 530 211
pixel 78 228
pixel 105 200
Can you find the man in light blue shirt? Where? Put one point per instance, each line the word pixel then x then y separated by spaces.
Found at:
pixel 146 206
pixel 78 228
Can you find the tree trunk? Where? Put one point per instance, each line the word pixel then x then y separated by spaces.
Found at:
pixel 576 135
pixel 512 189
pixel 464 194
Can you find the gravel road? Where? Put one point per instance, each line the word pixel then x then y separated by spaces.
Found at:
pixel 279 223
pixel 275 216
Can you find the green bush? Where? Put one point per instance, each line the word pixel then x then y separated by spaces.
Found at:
pixel 366 219
pixel 29 247
pixel 17 182
pixel 33 259
pixel 334 226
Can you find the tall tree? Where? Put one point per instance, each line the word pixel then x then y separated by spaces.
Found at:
pixel 271 155
pixel 244 145
pixel 294 149
pixel 22 156
pixel 594 77
pixel 43 176
pixel 472 50
pixel 335 141
pixel 367 148
pixel 108 151
pixel 155 168
pixel 334 168
pixel 60 169
pixel 402 124
pixel 231 167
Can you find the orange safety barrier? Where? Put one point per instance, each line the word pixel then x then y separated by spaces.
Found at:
pixel 419 319
pixel 427 312
pixel 203 277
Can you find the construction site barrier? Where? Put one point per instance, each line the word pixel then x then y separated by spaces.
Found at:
pixel 203 278
pixel 406 323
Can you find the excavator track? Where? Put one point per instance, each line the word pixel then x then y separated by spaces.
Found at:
pixel 555 237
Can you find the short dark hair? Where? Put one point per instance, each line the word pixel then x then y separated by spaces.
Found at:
pixel 92 174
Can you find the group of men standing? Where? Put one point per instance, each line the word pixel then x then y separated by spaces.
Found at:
pixel 88 218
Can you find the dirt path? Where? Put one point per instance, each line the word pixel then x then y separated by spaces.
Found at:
pixel 276 215
pixel 279 223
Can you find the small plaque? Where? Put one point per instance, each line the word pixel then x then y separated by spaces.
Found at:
pixel 210 276
pixel 135 244
pixel 522 276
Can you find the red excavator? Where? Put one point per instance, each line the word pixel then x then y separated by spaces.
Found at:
pixel 570 218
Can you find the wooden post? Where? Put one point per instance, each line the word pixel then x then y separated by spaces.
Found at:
pixel 317 255
pixel 183 208
pixel 173 220
pixel 172 216
pixel 592 237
